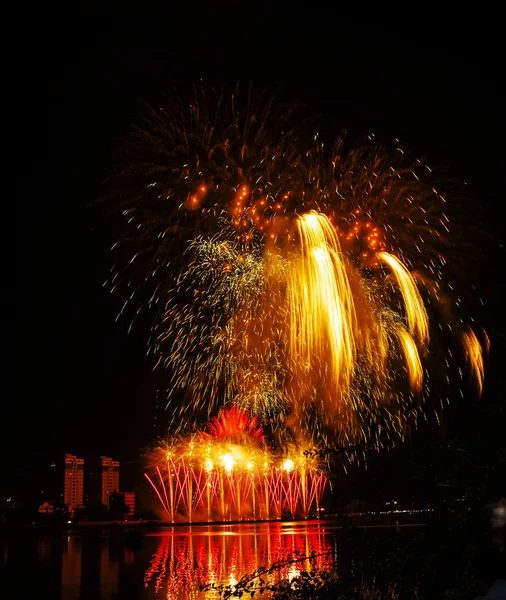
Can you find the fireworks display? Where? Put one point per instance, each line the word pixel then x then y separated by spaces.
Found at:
pixel 313 287
pixel 229 473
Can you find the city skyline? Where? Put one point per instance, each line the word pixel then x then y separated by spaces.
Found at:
pixel 72 484
pixel 110 478
pixel 73 495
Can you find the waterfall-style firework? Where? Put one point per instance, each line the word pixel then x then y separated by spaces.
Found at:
pixel 309 286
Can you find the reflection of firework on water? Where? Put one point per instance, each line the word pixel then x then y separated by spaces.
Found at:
pixel 310 287
pixel 228 472
pixel 184 561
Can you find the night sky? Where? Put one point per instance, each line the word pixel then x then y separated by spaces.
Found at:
pixel 82 384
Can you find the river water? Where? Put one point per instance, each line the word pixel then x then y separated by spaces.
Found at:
pixel 170 563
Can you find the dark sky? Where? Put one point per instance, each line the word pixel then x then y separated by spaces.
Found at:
pixel 81 383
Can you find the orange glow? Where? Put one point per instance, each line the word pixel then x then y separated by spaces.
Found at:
pixel 364 236
pixel 337 327
pixel 413 362
pixel 288 465
pixel 322 313
pixel 228 462
pixel 316 316
pixel 474 354
pixel 418 321
pixel 229 472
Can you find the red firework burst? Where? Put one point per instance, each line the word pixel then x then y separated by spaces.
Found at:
pixel 233 423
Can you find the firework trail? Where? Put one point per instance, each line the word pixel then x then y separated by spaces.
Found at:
pixel 310 286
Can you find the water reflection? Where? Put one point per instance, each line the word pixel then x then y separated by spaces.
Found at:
pixel 109 571
pixel 96 564
pixel 44 548
pixel 71 568
pixel 186 558
pixel 86 572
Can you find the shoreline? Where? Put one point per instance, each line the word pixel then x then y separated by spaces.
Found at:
pixel 387 519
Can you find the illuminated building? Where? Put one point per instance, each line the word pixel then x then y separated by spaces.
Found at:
pixel 46 508
pixel 110 478
pixel 74 480
pixel 130 502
